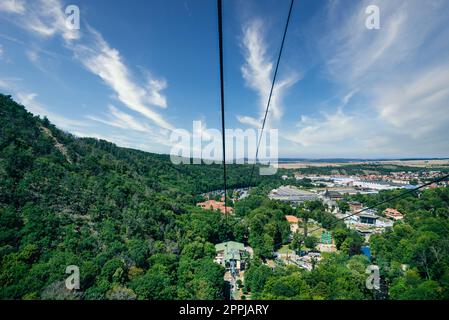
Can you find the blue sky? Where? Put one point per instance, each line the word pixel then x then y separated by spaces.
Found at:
pixel 138 69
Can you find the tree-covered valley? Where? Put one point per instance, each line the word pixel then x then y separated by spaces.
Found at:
pixel 129 220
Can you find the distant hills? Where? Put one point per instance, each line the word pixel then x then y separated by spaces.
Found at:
pixel 349 160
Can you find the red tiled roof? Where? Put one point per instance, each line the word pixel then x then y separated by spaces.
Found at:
pixel 214 205
pixel 291 219
pixel 390 212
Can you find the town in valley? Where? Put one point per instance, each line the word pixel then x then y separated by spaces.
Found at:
pixel 337 191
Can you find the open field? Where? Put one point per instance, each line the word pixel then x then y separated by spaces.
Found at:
pixel 409 163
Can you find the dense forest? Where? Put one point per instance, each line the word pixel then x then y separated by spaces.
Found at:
pixel 125 217
pixel 413 256
pixel 128 219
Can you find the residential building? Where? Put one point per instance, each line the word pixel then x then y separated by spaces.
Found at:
pixel 293 221
pixel 215 205
pixel 368 217
pixel 355 206
pixel 393 214
pixel 231 255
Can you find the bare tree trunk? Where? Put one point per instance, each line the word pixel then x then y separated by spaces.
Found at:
pixel 424 263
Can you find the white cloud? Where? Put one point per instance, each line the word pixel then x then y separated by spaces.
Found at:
pixel 152 140
pixel 12 6
pixel 349 134
pixel 134 129
pixel 54 15
pixel 349 96
pixel 9 83
pixel 106 62
pixel 250 121
pixel 358 57
pixel 419 105
pixel 326 130
pixel 400 74
pixel 122 120
pixel 154 95
pixel 151 143
pixel 47 18
pixel 258 72
pixel 2 55
pixel 3 85
pixel 32 55
pixel 29 100
pixel 352 51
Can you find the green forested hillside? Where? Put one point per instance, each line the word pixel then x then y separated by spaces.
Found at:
pixel 128 219
pixel 125 217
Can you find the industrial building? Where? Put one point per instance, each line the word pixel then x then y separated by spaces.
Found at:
pixel 378 185
pixel 292 194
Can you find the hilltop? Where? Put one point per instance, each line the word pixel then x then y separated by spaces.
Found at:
pixel 123 216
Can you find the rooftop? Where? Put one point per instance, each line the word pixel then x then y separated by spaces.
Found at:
pixel 230 245
pixel 214 205
pixel 231 250
pixel 393 213
pixel 289 193
pixel 292 219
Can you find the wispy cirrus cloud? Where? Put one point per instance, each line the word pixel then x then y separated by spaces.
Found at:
pixel 383 63
pixel 329 129
pixel 12 6
pixel 250 121
pixel 418 106
pixel 29 99
pixel 399 74
pixel 258 73
pixel 4 85
pixel 122 120
pixel 107 63
pixel 46 18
